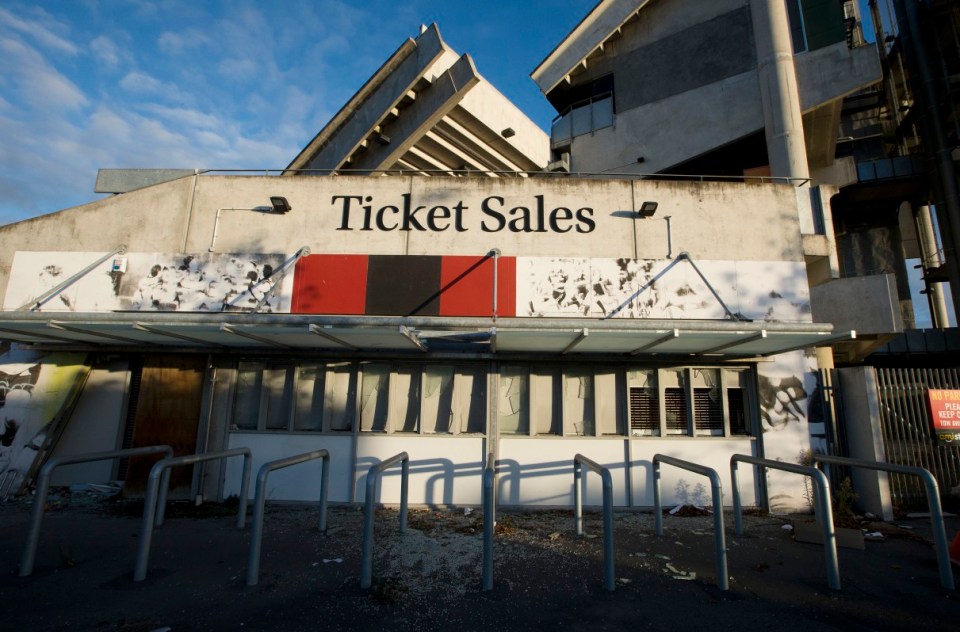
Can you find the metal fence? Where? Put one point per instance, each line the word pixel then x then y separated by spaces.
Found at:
pixel 907 432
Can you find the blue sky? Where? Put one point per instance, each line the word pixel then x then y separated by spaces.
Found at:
pixel 88 84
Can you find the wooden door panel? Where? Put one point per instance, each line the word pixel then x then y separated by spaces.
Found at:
pixel 167 412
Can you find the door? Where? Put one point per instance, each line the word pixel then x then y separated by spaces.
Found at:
pixel 167 412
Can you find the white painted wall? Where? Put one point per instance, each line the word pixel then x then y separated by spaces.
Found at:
pixel 682 486
pixel 444 471
pixel 95 426
pixel 298 482
pixel 538 471
pixel 707 219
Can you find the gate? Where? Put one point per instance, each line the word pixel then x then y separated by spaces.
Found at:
pixel 907 432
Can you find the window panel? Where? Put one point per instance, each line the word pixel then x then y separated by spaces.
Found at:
pixel 735 383
pixel 578 404
pixel 374 398
pixel 470 396
pixel 278 391
pixel 246 403
pixel 736 411
pixel 582 120
pixel 407 384
pixel 309 400
pixel 675 401
pixel 513 400
pixel 603 113
pixel 438 388
pixel 340 390
pixel 545 414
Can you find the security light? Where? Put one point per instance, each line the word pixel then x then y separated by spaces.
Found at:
pixel 279 203
pixel 647 209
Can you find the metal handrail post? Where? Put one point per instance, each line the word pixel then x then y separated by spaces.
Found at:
pixel 260 502
pixel 609 580
pixel 822 503
pixel 153 511
pixel 489 521
pixel 43 488
pixel 190 459
pixel 719 534
pixel 373 476
pixel 933 504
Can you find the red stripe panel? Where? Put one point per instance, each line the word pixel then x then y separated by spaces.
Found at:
pixel 467 286
pixel 330 284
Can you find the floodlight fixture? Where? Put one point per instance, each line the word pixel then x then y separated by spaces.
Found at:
pixel 279 204
pixel 647 209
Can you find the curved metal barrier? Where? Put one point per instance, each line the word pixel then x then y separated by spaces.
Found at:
pixel 723 577
pixel 489 520
pixel 260 501
pixel 933 503
pixel 609 582
pixel 154 507
pixel 373 477
pixel 43 488
pixel 824 508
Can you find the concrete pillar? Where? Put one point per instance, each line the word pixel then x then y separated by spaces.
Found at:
pixel 783 120
pixel 861 418
pixel 931 259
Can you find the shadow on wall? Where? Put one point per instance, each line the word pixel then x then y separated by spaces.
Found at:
pixel 443 474
pixel 439 486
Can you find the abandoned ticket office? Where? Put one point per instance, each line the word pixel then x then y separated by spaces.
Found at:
pixel 532 318
pixel 418 279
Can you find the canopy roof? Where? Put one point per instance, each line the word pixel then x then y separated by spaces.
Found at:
pixel 420 336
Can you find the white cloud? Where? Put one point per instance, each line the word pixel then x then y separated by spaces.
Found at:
pixel 141 84
pixel 105 51
pixel 37 32
pixel 35 80
pixel 238 69
pixel 179 43
pixel 184 117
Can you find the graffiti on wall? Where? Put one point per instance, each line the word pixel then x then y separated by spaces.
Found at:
pixel 630 288
pixel 149 282
pixel 33 389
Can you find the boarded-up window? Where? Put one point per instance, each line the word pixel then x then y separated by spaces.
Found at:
pixel 644 411
pixel 675 406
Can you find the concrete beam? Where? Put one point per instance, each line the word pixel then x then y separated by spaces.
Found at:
pixel 374 102
pixel 605 19
pixel 418 118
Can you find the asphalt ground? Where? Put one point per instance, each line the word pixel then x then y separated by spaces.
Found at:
pixel 429 578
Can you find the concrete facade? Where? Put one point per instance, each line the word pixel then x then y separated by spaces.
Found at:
pixel 528 318
pixel 576 401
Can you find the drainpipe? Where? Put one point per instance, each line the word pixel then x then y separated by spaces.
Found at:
pixel 782 118
pixel 931 259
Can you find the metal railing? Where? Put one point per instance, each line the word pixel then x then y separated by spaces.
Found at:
pixel 154 505
pixel 933 503
pixel 278 172
pixel 43 488
pixel 373 477
pixel 821 498
pixel 723 578
pixel 489 520
pixel 609 581
pixel 260 501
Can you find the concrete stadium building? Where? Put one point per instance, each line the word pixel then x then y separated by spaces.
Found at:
pixel 436 275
